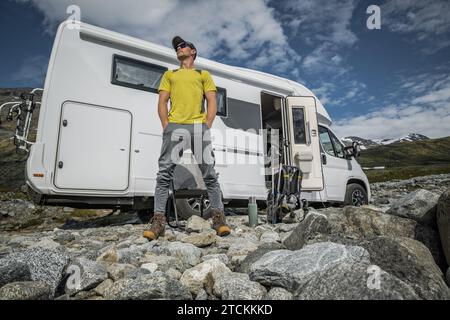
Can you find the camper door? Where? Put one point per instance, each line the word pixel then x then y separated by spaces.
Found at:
pixel 304 140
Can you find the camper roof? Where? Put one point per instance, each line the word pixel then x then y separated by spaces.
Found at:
pixel 258 78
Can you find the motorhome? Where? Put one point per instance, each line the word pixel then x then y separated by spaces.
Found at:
pixel 99 135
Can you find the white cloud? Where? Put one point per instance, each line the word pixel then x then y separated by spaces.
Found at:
pixel 245 32
pixel 324 25
pixel 420 19
pixel 425 110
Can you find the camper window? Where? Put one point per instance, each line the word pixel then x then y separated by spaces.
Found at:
pixel 221 102
pixel 136 74
pixel 298 116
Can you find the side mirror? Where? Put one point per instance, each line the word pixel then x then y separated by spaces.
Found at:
pixel 356 149
pixel 352 150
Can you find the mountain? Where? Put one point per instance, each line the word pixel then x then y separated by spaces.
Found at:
pixel 368 143
pixel 408 153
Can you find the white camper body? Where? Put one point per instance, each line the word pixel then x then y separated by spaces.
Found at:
pixel 99 135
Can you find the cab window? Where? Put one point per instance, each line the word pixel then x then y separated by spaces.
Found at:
pixel 326 141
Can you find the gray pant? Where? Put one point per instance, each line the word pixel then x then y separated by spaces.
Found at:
pixel 178 137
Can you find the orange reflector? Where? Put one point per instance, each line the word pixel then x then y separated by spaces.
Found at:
pixel 38 175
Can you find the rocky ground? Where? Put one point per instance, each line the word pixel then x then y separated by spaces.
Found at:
pixel 393 248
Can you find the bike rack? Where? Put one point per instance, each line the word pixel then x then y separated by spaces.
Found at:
pixel 24 113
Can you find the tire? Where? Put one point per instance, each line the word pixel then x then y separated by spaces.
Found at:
pixel 355 195
pixel 187 207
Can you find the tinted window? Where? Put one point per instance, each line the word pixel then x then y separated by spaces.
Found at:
pixel 136 74
pixel 221 102
pixel 326 141
pixel 299 125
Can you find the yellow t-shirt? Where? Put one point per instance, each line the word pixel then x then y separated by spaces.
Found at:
pixel 187 87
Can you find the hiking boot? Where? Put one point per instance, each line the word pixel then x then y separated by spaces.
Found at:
pixel 157 226
pixel 219 223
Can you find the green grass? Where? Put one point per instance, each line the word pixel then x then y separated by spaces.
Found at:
pixel 407 172
pixel 405 160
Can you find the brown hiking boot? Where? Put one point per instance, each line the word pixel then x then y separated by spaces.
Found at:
pixel 219 223
pixel 157 226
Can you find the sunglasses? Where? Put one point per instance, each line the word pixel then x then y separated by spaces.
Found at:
pixel 181 45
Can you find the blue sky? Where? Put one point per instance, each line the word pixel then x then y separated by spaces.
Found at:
pixel 374 83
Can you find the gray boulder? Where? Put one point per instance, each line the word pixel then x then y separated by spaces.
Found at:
pixel 363 222
pixel 279 294
pixel 293 269
pixel 356 282
pixel 155 285
pixel 45 265
pixel 91 274
pixel 26 290
pixel 237 286
pixel 187 253
pixel 12 271
pixel 313 224
pixel 410 261
pixel 244 266
pixel 419 205
pixel 443 222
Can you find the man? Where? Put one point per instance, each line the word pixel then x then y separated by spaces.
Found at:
pixel 186 87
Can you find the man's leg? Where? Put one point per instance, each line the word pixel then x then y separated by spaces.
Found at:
pixel 206 162
pixel 164 176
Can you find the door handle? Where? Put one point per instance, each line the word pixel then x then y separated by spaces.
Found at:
pixel 324 158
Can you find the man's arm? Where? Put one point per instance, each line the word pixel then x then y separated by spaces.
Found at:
pixel 162 107
pixel 212 107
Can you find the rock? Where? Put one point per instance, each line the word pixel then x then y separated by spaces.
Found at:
pixel 118 271
pixel 109 256
pixel 44 264
pixel 13 271
pixel 443 222
pixel 201 240
pixel 355 282
pixel 365 222
pixel 286 227
pixel 202 276
pixel 313 224
pixel 155 285
pixel 91 274
pixel 279 294
pixel 237 286
pixel 430 238
pixel 197 224
pixel 202 295
pixel 419 205
pixel 221 256
pixel 244 266
pixel 293 269
pixel 241 247
pixel 46 243
pixel 165 262
pixel 26 290
pixel 185 252
pixel 447 276
pixel 411 262
pixel 270 236
pixel 174 274
pixel 102 287
pixel 150 266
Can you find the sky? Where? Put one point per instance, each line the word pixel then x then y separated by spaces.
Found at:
pixel 374 83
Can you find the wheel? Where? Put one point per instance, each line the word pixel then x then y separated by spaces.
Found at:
pixel 187 207
pixel 355 195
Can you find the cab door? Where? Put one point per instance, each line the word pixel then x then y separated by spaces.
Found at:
pixel 303 134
